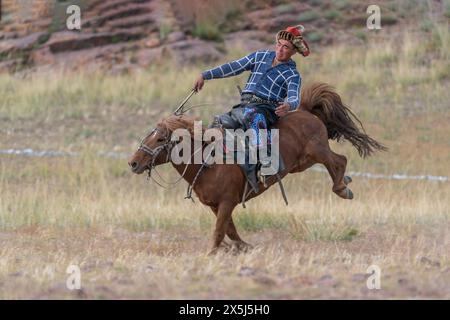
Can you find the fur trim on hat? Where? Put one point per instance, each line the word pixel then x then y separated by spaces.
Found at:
pixel 294 35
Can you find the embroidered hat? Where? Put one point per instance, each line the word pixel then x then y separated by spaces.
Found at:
pixel 294 35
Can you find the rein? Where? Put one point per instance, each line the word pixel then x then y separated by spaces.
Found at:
pixel 168 146
pixel 154 152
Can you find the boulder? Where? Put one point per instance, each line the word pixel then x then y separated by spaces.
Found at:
pixel 42 56
pixel 191 51
pixel 8 66
pixel 20 44
pixel 70 41
pixel 250 40
pixel 148 57
pixel 176 37
pixel 133 21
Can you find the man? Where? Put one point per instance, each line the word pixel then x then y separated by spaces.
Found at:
pixel 272 89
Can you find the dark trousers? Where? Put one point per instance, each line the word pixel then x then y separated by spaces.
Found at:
pixel 249 115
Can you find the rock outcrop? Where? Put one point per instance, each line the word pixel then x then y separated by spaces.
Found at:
pixel 118 35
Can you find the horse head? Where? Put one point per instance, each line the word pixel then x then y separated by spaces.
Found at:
pixel 156 147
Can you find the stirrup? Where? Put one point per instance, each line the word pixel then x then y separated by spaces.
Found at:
pixel 267 167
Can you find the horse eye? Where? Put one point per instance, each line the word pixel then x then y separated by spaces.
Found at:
pixel 160 139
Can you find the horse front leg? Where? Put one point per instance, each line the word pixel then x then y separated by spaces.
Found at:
pixel 224 211
pixel 237 243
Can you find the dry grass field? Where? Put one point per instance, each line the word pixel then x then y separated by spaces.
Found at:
pixel 132 239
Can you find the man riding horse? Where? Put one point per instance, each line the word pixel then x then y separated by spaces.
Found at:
pixel 272 89
pixel 271 92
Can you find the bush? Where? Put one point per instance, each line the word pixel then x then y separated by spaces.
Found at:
pixel 342 4
pixel 315 36
pixel 388 19
pixel 361 34
pixel 331 14
pixel 207 31
pixel 284 8
pixel 164 30
pixel 447 9
pixel 308 16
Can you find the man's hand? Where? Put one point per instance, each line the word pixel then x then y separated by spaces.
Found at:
pixel 199 82
pixel 282 109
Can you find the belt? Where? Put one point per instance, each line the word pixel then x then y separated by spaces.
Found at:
pixel 251 98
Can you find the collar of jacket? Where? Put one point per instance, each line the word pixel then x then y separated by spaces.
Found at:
pixel 290 62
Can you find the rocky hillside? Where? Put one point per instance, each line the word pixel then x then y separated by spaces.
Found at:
pixel 119 35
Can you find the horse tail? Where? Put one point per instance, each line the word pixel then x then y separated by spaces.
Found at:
pixel 321 100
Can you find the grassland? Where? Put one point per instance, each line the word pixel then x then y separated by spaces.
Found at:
pixel 132 239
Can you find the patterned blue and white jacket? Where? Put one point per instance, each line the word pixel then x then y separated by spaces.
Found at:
pixel 267 82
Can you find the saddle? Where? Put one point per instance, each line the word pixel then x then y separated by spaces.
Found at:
pixel 234 119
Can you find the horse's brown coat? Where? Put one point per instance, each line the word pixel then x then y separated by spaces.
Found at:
pixel 303 142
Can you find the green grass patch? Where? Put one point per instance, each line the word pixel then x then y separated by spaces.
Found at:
pixel 256 221
pixel 319 231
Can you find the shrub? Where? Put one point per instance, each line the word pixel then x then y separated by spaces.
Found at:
pixel 308 16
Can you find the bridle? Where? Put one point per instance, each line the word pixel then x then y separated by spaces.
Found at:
pixel 168 146
pixel 154 152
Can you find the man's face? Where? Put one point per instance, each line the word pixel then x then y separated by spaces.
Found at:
pixel 284 50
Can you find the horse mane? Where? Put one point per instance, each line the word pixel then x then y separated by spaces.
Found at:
pixel 174 122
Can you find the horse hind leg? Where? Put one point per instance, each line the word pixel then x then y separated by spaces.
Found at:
pixel 347 180
pixel 335 164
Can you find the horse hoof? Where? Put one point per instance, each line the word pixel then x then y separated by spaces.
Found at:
pixel 348 193
pixel 240 246
pixel 347 179
pixel 213 252
pixel 345 193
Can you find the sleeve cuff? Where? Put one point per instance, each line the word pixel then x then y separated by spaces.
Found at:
pixel 292 106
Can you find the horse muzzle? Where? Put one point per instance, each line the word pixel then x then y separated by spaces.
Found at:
pixel 136 167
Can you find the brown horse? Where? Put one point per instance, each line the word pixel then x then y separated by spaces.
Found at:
pixel 304 136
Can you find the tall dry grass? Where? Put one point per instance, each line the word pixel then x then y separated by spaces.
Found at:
pixel 132 239
pixel 91 191
pixel 404 76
